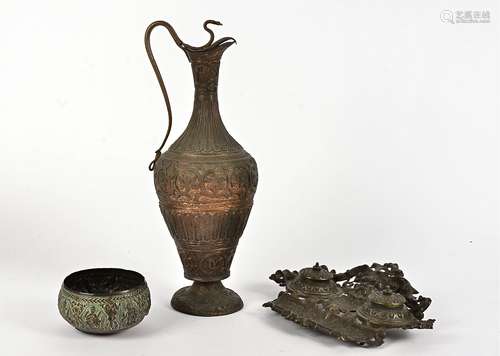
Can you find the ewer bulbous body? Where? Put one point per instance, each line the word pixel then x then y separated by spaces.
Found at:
pixel 205 183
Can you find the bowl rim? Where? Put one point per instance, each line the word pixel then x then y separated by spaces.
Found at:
pixel 141 284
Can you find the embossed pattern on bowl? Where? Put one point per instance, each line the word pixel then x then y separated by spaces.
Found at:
pixel 104 300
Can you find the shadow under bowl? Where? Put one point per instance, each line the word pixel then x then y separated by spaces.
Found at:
pixel 104 300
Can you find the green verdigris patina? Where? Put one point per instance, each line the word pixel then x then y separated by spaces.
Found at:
pixel 104 301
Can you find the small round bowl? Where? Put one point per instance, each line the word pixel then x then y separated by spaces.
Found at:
pixel 104 300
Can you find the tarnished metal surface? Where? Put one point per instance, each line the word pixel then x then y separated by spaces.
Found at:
pixel 370 300
pixel 205 184
pixel 104 300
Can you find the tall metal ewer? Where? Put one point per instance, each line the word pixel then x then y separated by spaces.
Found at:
pixel 205 183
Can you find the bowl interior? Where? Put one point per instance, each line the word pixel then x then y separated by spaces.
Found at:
pixel 103 281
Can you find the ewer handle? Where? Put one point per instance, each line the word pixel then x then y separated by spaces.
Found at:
pixel 147 42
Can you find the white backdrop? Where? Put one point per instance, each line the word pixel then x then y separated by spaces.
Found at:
pixel 374 125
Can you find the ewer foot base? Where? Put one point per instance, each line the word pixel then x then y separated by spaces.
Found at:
pixel 206 299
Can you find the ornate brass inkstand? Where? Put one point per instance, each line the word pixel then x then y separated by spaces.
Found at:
pixel 368 302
